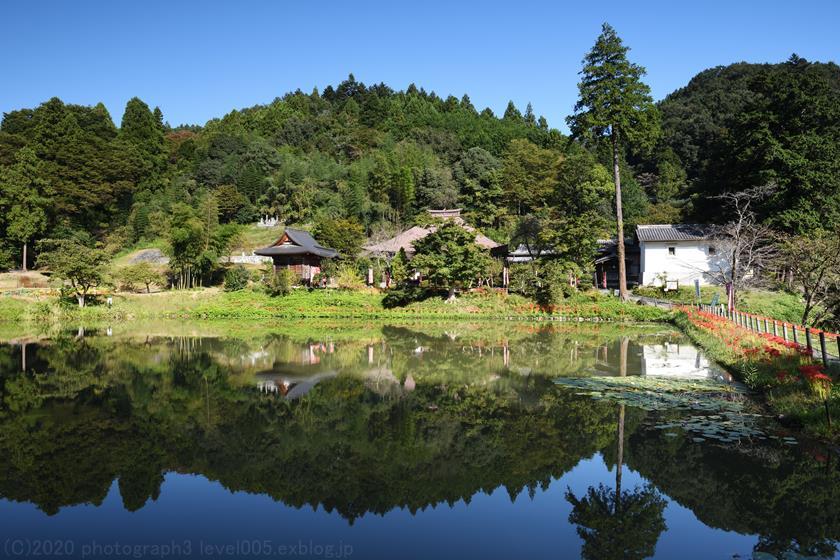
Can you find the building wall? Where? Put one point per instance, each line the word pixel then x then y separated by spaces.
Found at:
pixel 691 260
pixel 676 360
pixel 304 266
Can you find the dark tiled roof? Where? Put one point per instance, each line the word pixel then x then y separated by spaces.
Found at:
pixel 674 232
pixel 303 244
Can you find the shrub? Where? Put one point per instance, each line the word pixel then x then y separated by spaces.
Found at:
pixel 348 278
pixel 236 279
pixel 404 295
pixel 279 283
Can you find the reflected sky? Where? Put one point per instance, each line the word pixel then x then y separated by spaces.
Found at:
pixel 412 441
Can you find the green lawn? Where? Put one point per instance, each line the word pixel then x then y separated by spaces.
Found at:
pixel 212 303
pixel 253 237
pixel 782 306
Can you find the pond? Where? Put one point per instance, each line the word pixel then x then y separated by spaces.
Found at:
pixel 413 440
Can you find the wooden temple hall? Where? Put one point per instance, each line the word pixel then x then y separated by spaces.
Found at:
pixel 298 251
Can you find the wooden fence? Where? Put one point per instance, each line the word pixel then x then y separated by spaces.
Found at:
pixel 827 347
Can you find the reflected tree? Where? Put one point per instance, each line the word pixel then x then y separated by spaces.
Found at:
pixel 618 524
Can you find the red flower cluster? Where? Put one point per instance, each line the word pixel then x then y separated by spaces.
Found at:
pixel 772 351
pixel 813 372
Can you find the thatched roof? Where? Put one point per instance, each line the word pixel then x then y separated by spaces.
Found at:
pixel 406 239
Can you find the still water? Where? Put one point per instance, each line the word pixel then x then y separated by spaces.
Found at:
pixel 364 440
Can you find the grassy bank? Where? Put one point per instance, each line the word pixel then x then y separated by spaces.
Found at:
pixel 794 386
pixel 782 306
pixel 211 303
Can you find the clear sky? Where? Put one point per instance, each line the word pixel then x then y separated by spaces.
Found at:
pixel 198 60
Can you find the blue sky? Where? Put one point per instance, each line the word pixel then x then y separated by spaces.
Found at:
pixel 199 60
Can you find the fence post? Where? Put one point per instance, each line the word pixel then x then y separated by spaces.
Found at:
pixel 808 340
pixel 784 331
pixel 823 349
pixel 766 327
pixel 775 328
pixel 794 334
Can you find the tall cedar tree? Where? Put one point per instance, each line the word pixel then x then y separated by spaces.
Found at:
pixel 24 199
pixel 614 103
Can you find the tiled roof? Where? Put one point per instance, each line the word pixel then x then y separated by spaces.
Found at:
pixel 303 243
pixel 674 232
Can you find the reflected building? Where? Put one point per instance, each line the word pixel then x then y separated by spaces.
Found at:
pixel 675 360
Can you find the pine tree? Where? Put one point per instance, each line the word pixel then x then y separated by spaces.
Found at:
pixel 530 119
pixel 467 105
pixel 614 103
pixel 512 113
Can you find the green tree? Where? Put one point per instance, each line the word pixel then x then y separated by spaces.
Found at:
pixel 614 103
pixel 399 267
pixel 231 203
pixel 813 263
pixel 512 113
pixel 142 129
pixel 24 199
pixel 568 227
pixel 618 525
pixel 187 240
pixel 449 258
pixel 142 274
pixel 402 189
pixel 75 262
pixel 478 177
pixel 528 175
pixel 343 235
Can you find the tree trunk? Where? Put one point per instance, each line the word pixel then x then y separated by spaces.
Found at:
pixel 619 218
pixel 622 371
pixel 451 297
pixel 81 299
pixel 809 297
pixel 24 256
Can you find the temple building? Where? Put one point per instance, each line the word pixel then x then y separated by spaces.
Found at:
pixel 298 251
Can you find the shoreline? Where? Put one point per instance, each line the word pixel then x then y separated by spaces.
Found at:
pixel 211 303
pixel 212 307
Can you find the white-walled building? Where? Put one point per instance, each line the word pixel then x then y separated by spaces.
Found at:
pixel 678 252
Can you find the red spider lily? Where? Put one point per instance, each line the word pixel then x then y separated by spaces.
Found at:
pixel 811 370
pixel 774 352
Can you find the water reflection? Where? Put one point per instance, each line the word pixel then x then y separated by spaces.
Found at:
pixel 362 420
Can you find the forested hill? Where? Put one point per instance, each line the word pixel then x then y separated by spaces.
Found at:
pixel 737 126
pixel 375 158
pixel 367 153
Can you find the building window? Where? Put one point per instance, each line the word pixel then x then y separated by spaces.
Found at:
pixel 712 250
pixel 672 251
